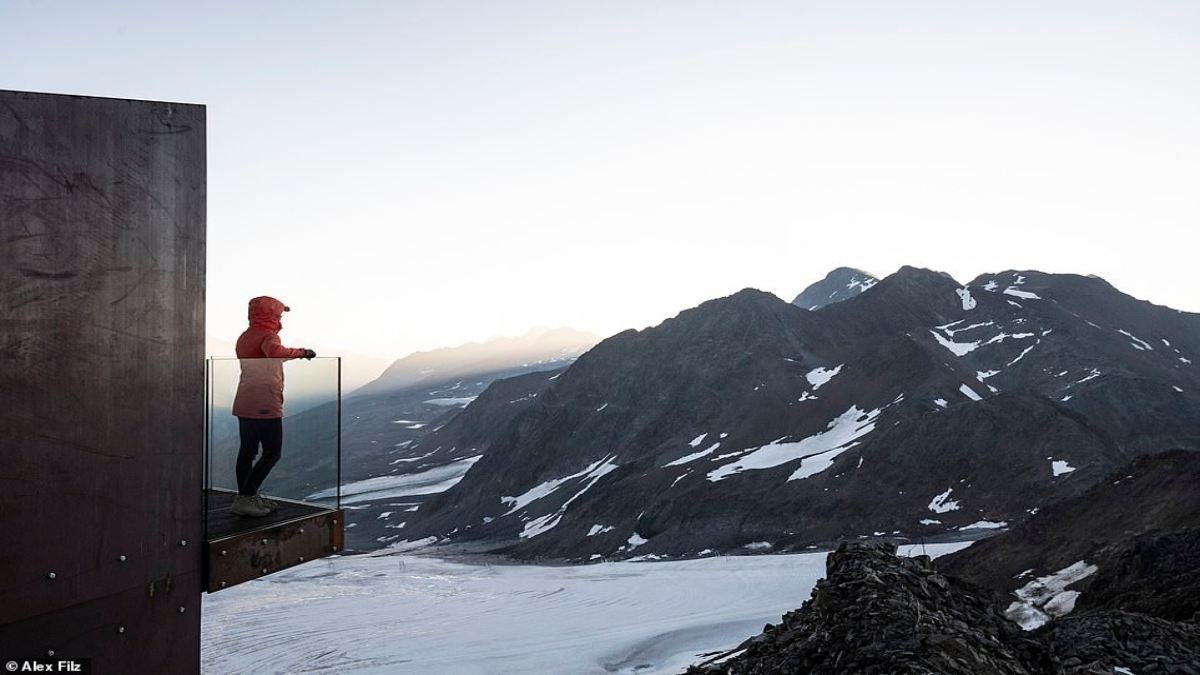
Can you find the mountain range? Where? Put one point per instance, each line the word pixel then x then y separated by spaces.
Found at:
pixel 914 407
pixel 537 349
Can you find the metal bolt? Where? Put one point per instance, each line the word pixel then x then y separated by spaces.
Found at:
pixel 222 584
pixel 223 553
pixel 51 576
pixel 300 559
pixel 334 548
pixel 121 558
pixel 120 629
pixel 182 609
pixel 302 530
pixel 335 521
pixel 264 570
pixel 183 542
pixel 264 542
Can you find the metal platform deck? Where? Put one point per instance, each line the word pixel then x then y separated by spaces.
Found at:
pixel 238 549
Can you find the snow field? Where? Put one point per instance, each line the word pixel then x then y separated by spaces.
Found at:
pixel 419 614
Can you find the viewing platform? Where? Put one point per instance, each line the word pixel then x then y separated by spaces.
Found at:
pixel 307 522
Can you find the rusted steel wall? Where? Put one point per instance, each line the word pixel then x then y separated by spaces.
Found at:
pixel 102 254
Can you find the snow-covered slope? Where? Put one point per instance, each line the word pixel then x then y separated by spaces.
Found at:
pixel 407 614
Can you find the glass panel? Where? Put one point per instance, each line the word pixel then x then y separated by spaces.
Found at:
pixel 260 401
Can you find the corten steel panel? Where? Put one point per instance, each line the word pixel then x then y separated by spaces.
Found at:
pixel 123 633
pixel 102 253
pixel 249 555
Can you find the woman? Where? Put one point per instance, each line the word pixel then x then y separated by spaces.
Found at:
pixel 258 404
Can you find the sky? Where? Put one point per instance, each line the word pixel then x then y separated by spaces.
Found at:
pixel 414 175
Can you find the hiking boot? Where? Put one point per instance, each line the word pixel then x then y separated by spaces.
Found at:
pixel 269 504
pixel 248 507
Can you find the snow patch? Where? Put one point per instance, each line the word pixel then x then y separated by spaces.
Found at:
pixel 956 348
pixel 452 402
pixel 942 503
pixel 951 332
pixel 437 479
pixel 548 487
pixel 818 377
pixel 547 522
pixel 1026 295
pixel 985 525
pixel 410 459
pixel 970 393
pixel 815 452
pixel 1059 467
pixel 1046 597
pixel 694 456
pixel 1022 354
pixel 968 303
pixel 1137 342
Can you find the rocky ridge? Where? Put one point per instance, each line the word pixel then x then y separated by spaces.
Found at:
pixel 879 613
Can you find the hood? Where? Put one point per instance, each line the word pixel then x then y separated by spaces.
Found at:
pixel 267 312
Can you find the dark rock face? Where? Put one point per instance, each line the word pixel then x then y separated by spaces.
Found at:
pixel 921 408
pixel 842 283
pixel 1101 642
pixel 1156 574
pixel 1140 526
pixel 876 613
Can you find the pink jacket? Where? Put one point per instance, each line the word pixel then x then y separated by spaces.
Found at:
pixel 260 388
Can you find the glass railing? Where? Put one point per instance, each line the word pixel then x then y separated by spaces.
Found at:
pixel 262 408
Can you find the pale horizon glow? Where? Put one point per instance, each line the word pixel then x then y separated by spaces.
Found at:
pixel 410 176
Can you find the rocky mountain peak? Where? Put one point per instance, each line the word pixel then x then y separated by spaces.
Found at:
pixel 841 284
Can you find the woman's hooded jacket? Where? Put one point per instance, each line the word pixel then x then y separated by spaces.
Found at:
pixel 260 389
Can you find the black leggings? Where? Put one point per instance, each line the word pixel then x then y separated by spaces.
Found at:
pixel 251 474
